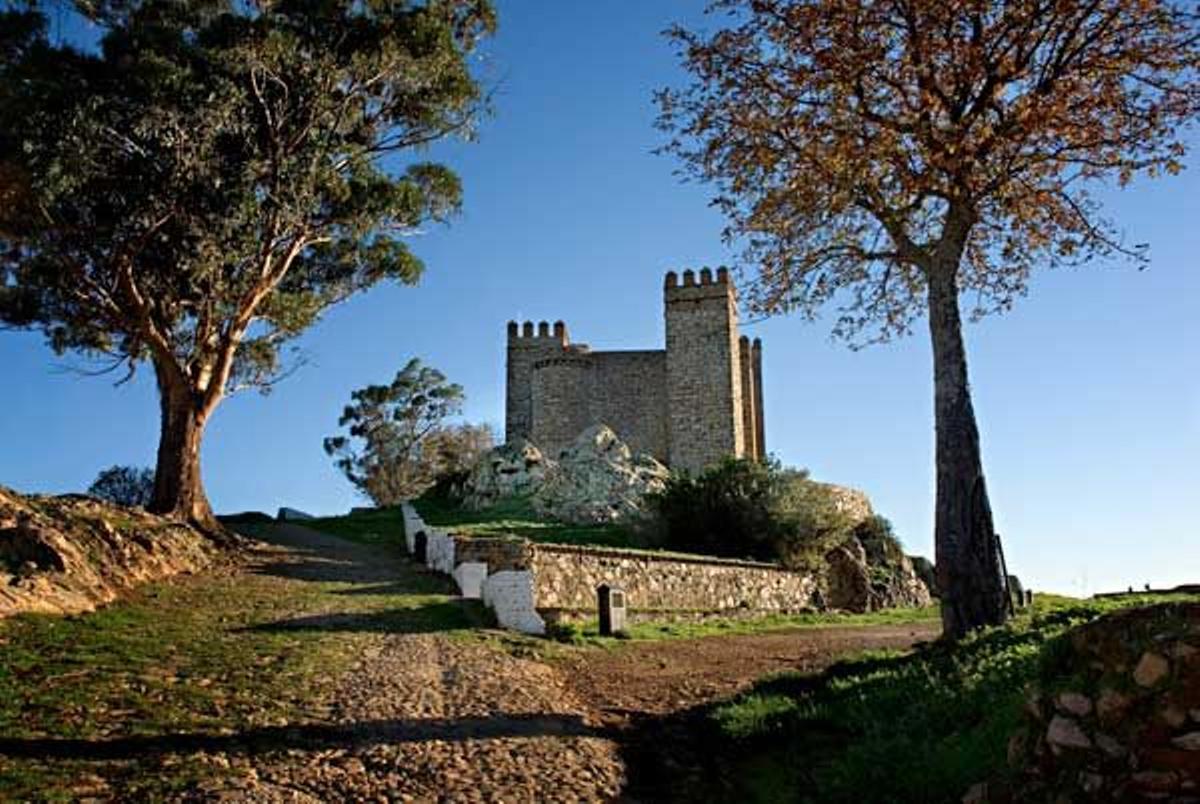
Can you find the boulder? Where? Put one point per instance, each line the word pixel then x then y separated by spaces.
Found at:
pixel 510 470
pixel 868 574
pixel 598 479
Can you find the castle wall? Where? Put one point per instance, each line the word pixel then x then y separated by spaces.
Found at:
pixel 704 382
pixel 561 399
pixel 630 396
pixel 689 406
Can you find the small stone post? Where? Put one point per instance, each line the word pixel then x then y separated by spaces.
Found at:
pixel 612 609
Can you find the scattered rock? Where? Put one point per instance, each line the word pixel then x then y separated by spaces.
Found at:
pixel 1075 704
pixel 862 577
pixel 1188 742
pixel 1151 669
pixel 1065 733
pixel 70 554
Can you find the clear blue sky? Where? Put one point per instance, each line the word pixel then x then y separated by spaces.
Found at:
pixel 1088 394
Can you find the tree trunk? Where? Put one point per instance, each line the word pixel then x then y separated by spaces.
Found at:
pixel 178 488
pixel 970 572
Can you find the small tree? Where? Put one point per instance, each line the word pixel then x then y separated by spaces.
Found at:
pixel 131 486
pixel 199 189
pixel 895 155
pixel 453 451
pixel 392 450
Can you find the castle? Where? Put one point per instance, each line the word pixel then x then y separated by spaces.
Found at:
pixel 689 405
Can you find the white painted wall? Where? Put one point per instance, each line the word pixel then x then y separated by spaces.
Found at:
pixel 509 594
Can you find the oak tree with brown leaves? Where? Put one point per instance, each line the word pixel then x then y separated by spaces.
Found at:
pixel 890 156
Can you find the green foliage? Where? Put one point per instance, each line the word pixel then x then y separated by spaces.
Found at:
pixel 742 508
pixel 398 443
pixel 124 485
pixel 922 727
pixel 211 175
pixel 202 185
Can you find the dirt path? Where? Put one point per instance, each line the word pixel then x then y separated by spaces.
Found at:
pixel 319 669
pixel 661 678
pixel 425 716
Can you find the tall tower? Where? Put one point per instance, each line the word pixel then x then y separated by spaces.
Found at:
pixel 525 348
pixel 706 415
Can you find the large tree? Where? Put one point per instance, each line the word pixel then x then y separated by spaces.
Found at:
pixel 892 155
pixel 198 189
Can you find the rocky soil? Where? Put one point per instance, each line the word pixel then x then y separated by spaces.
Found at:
pixel 324 670
pixel 63 555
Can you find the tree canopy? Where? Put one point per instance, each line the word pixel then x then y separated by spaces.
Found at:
pixel 854 142
pixel 890 156
pixel 398 439
pixel 198 189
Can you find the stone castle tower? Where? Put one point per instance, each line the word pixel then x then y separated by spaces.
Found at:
pixel 689 405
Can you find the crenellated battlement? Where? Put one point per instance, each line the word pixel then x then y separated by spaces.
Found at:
pixel 690 404
pixel 706 278
pixel 539 334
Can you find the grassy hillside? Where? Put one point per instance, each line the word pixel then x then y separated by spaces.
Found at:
pixel 516 517
pixel 907 728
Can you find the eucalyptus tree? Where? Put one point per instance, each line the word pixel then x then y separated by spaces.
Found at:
pixel 890 157
pixel 197 189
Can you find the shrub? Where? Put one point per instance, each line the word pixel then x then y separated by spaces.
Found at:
pixel 124 485
pixel 747 509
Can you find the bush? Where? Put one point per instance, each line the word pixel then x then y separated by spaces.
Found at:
pixel 124 485
pixel 747 509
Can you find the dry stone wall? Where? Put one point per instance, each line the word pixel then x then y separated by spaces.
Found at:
pixel 523 583
pixel 566 577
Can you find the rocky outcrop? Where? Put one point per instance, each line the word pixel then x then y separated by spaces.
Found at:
pixel 868 575
pixel 598 479
pixel 1116 716
pixel 63 555
pixel 510 470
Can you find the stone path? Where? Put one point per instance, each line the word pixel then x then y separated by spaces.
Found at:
pixel 424 716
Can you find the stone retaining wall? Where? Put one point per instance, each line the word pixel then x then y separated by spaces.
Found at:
pixel 525 582
pixel 566 577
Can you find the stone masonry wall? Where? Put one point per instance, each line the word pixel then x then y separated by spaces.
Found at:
pixel 704 378
pixel 630 396
pixel 689 405
pixel 526 582
pixel 566 577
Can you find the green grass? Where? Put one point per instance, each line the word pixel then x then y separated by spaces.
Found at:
pixel 919 727
pixel 215 654
pixel 587 632
pixel 515 517
pixel 376 526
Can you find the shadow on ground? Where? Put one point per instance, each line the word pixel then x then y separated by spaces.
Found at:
pixel 269 739
pixel 423 619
